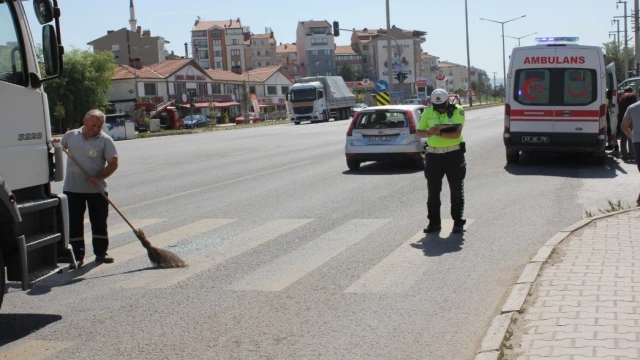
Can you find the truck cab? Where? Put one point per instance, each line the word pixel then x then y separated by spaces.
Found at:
pixel 308 102
pixel 33 219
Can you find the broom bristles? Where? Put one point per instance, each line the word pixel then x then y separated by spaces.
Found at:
pixel 160 258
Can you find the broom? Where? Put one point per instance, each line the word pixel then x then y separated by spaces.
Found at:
pixel 160 258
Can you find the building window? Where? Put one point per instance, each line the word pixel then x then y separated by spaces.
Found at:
pixel 202 89
pixel 203 54
pixel 269 63
pixel 179 88
pixel 365 47
pixel 217 53
pixel 235 42
pixel 314 52
pixel 316 64
pixel 284 89
pixel 327 62
pixel 199 34
pixel 217 43
pixel 327 52
pixel 217 88
pixel 150 89
pixel 216 33
pixel 218 64
pixel 235 63
pixel 329 73
pixel 234 31
pixel 252 89
pixel 115 47
pixel 272 90
pixel 204 64
pixel 319 41
pixel 235 52
pixel 200 43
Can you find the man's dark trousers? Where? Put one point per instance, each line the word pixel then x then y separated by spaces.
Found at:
pixel 453 165
pixel 98 213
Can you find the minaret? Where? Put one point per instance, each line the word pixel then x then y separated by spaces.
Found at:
pixel 132 13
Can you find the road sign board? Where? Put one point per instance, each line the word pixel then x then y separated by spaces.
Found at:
pixel 470 91
pixel 365 82
pixel 382 86
pixel 397 94
pixel 382 98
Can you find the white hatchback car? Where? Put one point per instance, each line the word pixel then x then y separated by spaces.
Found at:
pixel 380 133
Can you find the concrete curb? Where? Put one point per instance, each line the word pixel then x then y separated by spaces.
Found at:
pixel 491 345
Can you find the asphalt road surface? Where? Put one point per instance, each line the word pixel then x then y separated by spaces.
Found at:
pixel 293 256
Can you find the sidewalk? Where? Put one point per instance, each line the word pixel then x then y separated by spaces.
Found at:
pixel 584 302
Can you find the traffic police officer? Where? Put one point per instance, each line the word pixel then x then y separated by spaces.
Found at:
pixel 444 156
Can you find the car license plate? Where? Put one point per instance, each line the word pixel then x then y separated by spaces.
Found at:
pixel 380 138
pixel 535 139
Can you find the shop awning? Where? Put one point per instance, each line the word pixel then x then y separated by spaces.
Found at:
pixel 216 104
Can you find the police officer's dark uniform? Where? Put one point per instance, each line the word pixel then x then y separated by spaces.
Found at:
pixel 444 156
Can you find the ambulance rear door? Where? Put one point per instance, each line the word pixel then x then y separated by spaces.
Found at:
pixel 577 111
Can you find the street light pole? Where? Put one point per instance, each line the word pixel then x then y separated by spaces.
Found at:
pixel 389 64
pixel 521 37
pixel 626 39
pixel 466 19
pixel 504 56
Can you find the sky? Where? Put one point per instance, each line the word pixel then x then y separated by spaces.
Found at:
pixel 591 20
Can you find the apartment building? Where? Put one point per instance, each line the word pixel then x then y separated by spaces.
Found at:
pixel 315 47
pixel 220 45
pixel 347 56
pixel 287 57
pixel 361 43
pixel 429 68
pixel 134 43
pixel 260 49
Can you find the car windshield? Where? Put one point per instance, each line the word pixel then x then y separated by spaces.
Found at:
pixel 303 95
pixel 385 119
pixel 188 118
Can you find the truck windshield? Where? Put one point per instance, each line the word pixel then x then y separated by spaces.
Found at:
pixel 303 95
pixel 11 61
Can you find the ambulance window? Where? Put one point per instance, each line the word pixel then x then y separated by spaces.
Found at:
pixel 532 86
pixel 580 87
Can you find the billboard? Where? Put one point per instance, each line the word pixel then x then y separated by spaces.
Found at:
pixel 402 58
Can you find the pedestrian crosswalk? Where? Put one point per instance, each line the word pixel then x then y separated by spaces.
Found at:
pixel 397 272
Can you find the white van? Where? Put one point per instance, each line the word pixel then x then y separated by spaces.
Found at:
pixel 556 99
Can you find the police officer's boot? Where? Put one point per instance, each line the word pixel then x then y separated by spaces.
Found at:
pixel 434 226
pixel 458 226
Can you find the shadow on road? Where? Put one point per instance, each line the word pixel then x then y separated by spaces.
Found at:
pixel 385 168
pixel 17 326
pixel 435 245
pixel 565 165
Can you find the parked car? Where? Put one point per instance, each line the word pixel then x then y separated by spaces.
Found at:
pixel 195 121
pixel 248 118
pixel 356 107
pixel 381 133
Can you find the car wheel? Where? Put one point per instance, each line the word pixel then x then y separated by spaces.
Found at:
pixel 297 122
pixel 353 165
pixel 513 157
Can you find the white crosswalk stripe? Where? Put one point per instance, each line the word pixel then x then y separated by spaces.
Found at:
pixel 197 264
pixel 286 270
pixel 401 269
pixel 123 228
pixel 32 350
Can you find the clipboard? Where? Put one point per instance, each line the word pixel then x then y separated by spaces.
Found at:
pixel 448 127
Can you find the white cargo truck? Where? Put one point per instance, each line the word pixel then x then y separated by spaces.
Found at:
pixel 319 98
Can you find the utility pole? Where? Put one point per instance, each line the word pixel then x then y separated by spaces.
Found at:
pixel 618 31
pixel 466 19
pixel 389 63
pixel 636 30
pixel 494 79
pixel 626 39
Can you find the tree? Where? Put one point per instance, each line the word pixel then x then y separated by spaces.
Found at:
pixel 58 114
pixel 350 73
pixel 459 91
pixel 271 109
pixel 245 97
pixel 615 54
pixel 498 91
pixel 83 86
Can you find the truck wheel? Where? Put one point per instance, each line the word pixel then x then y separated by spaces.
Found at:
pixel 2 279
pixel 353 165
pixel 513 157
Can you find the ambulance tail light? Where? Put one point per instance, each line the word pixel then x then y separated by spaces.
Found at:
pixel 507 117
pixel 412 122
pixel 602 133
pixel 353 123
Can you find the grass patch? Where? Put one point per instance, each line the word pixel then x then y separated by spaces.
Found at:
pixel 612 207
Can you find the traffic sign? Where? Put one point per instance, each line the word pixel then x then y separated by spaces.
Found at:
pixel 397 94
pixel 470 91
pixel 382 98
pixel 365 82
pixel 382 86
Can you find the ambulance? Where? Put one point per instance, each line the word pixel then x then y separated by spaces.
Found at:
pixel 556 99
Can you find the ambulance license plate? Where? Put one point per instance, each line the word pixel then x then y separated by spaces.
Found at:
pixel 535 139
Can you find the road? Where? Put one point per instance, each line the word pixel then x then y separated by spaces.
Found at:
pixel 294 256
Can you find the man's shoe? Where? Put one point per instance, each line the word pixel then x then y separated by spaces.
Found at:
pixel 458 226
pixel 77 265
pixel 104 259
pixel 432 228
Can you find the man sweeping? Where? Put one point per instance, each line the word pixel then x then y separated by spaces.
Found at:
pixel 96 152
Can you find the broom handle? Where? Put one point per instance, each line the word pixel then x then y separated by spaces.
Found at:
pixel 97 187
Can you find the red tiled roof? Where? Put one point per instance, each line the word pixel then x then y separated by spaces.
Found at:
pixel 449 64
pixel 168 67
pixel 345 50
pixel 262 74
pixel 428 56
pixel 206 25
pixel 223 75
pixel 286 48
pixel 127 72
